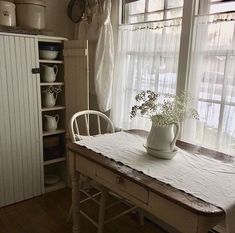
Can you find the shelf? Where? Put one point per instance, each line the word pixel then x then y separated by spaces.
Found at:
pixel 52 84
pixel 52 161
pixel 58 131
pixel 50 188
pixel 51 61
pixel 53 108
pixel 51 39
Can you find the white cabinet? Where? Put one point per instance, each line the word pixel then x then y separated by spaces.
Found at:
pixel 28 154
pixel 21 170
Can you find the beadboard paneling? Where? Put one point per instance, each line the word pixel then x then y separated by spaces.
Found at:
pixel 20 154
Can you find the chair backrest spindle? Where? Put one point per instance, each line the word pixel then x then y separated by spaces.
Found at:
pixel 87 125
pixel 74 123
pixel 98 122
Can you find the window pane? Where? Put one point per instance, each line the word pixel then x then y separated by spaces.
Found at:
pixel 209 114
pixel 167 83
pixel 220 37
pixel 170 14
pixel 228 130
pixel 155 16
pixel 136 7
pixel 174 3
pixel 136 18
pixel 207 127
pixel 212 77
pixel 230 82
pixel 222 7
pixel 155 5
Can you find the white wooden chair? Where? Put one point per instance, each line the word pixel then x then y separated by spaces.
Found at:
pixel 102 191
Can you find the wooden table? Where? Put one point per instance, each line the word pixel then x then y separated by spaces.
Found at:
pixel 182 211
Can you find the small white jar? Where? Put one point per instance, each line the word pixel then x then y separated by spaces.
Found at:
pixel 7 13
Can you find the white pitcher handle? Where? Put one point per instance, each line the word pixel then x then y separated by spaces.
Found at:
pixel 55 68
pixel 177 125
pixel 57 117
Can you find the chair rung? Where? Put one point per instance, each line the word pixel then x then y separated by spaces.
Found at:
pixel 119 215
pixel 89 218
pixel 90 197
pixel 113 204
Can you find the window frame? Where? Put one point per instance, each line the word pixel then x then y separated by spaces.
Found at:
pixel 146 13
pixel 191 9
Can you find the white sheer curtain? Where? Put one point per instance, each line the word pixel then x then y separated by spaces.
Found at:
pixel 147 59
pixel 212 81
pixel 104 60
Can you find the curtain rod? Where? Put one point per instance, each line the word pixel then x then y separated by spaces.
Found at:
pixel 218 13
pixel 155 21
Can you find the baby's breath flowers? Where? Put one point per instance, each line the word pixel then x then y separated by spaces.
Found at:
pixel 52 89
pixel 164 109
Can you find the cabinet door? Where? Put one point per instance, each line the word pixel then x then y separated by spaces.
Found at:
pixel 76 77
pixel 20 143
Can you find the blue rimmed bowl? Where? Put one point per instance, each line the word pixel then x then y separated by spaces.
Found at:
pixel 48 52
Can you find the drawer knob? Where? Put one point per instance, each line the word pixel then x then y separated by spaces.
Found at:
pixel 119 180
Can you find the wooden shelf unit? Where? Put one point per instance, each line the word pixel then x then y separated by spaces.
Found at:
pixel 52 84
pixel 51 61
pixel 49 133
pixel 53 108
pixel 54 141
pixel 52 161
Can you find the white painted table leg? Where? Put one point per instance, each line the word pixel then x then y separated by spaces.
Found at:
pixel 76 202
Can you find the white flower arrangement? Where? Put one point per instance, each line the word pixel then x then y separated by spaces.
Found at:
pixel 52 89
pixel 164 109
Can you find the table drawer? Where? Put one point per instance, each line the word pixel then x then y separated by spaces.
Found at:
pixel 122 184
pixel 85 166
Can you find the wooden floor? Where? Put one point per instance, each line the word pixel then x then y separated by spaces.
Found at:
pixel 48 213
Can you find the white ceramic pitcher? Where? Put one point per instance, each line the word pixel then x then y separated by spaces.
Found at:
pixel 49 73
pixel 163 138
pixel 49 99
pixel 51 122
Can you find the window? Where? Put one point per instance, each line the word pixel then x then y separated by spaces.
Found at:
pixel 148 51
pixel 214 71
pixel 151 10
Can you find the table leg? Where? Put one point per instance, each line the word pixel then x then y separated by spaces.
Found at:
pixel 76 202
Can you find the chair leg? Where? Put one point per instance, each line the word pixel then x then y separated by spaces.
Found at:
pixel 141 217
pixel 70 214
pixel 103 199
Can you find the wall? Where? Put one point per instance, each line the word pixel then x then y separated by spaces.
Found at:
pixel 57 19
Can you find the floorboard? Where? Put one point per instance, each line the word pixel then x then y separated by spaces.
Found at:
pixel 48 214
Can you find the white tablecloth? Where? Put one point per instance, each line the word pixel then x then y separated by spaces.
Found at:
pixel 206 178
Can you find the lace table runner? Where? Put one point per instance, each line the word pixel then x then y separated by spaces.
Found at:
pixel 201 176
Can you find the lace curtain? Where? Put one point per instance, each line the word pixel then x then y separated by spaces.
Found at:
pixel 147 58
pixel 212 82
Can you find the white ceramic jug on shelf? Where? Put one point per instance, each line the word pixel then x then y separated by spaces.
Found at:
pixel 49 73
pixel 51 122
pixel 49 99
